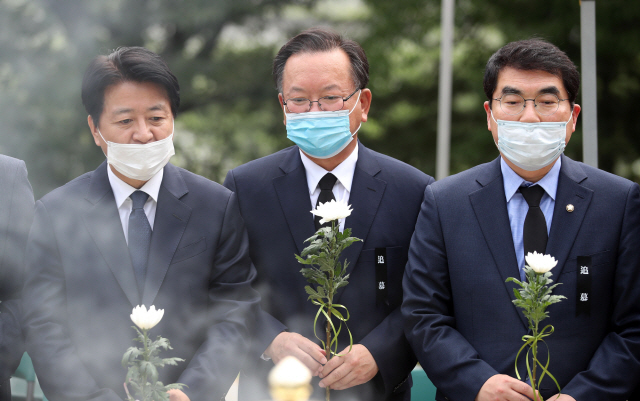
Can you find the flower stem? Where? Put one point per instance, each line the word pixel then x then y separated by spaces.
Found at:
pixel 534 347
pixel 328 347
pixel 146 358
pixel 334 256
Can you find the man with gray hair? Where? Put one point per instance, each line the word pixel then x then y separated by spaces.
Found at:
pixel 322 79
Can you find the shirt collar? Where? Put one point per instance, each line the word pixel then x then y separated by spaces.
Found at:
pixel 343 172
pixel 512 181
pixel 122 190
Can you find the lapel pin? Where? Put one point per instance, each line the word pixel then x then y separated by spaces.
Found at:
pixel 570 208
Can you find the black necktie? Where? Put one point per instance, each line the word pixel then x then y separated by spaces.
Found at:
pixel 326 194
pixel 535 226
pixel 139 237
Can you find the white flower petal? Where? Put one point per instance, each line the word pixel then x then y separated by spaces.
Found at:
pixel 332 210
pixel 540 263
pixel 144 319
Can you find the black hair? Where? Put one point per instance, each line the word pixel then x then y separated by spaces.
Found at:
pixel 532 54
pixel 124 64
pixel 323 40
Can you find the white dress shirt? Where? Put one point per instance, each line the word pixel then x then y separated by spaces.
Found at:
pixel 343 172
pixel 122 191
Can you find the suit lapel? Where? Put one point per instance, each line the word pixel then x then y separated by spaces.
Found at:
pixel 490 207
pixel 103 223
pixel 365 196
pixel 565 225
pixel 293 195
pixel 170 222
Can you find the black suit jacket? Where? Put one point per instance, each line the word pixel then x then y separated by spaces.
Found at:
pixel 81 287
pixel 16 214
pixel 458 312
pixel 274 201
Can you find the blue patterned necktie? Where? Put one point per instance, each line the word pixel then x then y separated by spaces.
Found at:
pixel 139 237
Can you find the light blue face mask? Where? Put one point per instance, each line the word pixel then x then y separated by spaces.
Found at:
pixel 321 134
pixel 531 146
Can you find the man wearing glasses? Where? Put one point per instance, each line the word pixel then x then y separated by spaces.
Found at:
pixel 321 80
pixel 475 228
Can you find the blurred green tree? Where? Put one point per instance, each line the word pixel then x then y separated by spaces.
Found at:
pixel 403 47
pixel 228 109
pixel 221 51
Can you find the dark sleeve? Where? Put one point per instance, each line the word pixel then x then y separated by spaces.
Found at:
pixel 233 306
pixel 266 327
pixel 618 354
pixel 61 373
pixel 391 351
pixel 19 215
pixel 389 346
pixel 427 309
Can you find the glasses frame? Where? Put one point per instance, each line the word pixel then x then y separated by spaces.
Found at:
pixel 524 103
pixel 311 102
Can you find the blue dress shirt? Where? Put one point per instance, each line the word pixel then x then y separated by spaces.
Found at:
pixel 517 207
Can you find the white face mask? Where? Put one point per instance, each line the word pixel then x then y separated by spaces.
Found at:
pixel 139 161
pixel 531 146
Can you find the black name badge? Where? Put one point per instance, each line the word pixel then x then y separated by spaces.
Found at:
pixel 381 277
pixel 583 293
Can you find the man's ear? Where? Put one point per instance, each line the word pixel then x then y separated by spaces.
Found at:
pixel 574 115
pixel 571 127
pixel 487 109
pixel 365 103
pixel 94 131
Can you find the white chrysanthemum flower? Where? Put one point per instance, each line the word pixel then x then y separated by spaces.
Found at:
pixel 146 319
pixel 540 263
pixel 289 372
pixel 332 210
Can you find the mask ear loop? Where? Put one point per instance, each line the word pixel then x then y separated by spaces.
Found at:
pixel 100 133
pixel 354 107
pixel 105 141
pixel 494 120
pixel 357 100
pixel 570 116
pixel 492 117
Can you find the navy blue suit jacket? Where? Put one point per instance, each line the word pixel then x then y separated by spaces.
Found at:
pixel 80 287
pixel 274 201
pixel 16 214
pixel 457 307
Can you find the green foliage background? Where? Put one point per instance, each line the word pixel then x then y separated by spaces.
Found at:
pixel 221 52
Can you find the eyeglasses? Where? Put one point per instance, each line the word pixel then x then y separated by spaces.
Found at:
pixel 545 103
pixel 326 103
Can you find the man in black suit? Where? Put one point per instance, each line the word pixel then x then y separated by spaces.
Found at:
pixel 137 230
pixel 16 214
pixel 321 78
